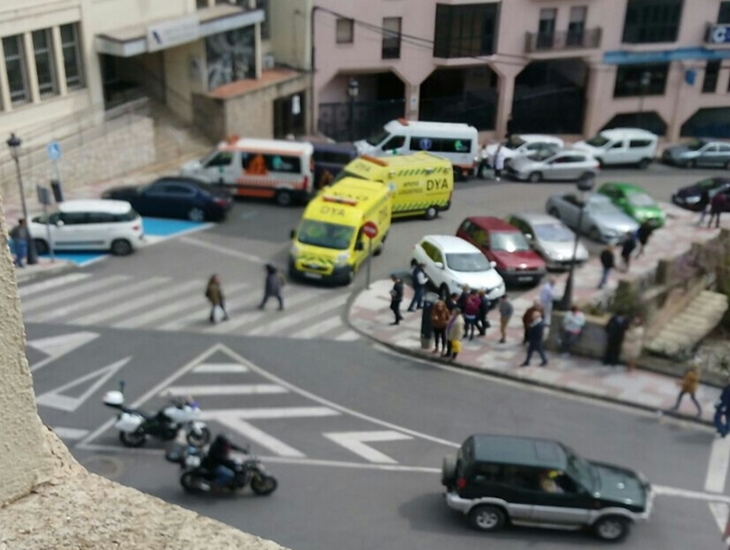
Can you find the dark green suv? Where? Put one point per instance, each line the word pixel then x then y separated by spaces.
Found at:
pixel 499 479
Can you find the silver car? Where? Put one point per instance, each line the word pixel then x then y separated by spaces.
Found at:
pixel 700 152
pixel 550 238
pixel 551 164
pixel 602 221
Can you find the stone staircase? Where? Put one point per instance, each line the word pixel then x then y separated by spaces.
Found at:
pixel 691 326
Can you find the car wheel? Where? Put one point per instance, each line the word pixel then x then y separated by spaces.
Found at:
pixel 41 246
pixel 586 176
pixel 121 247
pixel 431 213
pixel 727 165
pixel 612 528
pixel 196 215
pixel 594 234
pixel 644 163
pixel 444 291
pixel 458 174
pixel 379 250
pixel 690 164
pixel 554 212
pixel 283 198
pixel 535 177
pixel 487 518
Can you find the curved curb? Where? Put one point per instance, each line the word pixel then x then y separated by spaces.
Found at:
pixel 504 376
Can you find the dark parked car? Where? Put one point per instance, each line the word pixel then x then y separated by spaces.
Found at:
pixel 175 198
pixel 331 157
pixel 495 480
pixel 689 197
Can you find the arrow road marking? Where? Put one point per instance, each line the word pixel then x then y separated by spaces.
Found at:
pixel 355 442
pixel 220 368
pixel 57 346
pixel 235 423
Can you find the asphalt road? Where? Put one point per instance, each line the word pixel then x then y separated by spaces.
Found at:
pixel 335 495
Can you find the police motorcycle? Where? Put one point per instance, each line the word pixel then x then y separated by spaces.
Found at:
pixel 198 479
pixel 135 425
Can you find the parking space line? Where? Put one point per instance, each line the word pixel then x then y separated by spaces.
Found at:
pixel 228 389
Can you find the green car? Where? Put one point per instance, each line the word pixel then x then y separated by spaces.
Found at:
pixel 636 202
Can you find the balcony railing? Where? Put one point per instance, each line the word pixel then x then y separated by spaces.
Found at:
pixel 563 40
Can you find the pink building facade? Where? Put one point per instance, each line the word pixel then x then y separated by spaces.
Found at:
pixel 547 66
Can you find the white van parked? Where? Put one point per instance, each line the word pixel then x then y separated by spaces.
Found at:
pixel 89 225
pixel 459 143
pixel 268 168
pixel 622 146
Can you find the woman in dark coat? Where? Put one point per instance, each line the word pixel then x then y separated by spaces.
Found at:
pixel 615 330
pixel 272 287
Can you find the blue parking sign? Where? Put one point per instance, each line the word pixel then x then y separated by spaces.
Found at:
pixel 53 150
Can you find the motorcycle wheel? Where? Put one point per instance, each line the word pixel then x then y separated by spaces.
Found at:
pixel 132 439
pixel 198 440
pixel 263 485
pixel 193 483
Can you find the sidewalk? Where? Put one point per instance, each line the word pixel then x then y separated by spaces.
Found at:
pixel 370 315
pixel 44 269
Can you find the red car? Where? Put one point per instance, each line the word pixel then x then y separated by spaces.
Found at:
pixel 505 246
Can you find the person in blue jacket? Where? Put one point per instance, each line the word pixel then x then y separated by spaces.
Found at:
pixel 722 411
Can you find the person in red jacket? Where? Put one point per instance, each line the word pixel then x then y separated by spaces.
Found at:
pixel 471 312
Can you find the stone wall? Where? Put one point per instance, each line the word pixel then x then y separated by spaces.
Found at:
pixel 209 116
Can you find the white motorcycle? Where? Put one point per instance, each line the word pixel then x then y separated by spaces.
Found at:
pixel 135 426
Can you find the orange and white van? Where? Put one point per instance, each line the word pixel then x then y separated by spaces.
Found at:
pixel 281 170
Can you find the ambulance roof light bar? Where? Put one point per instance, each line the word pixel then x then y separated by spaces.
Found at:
pixel 339 200
pixel 374 160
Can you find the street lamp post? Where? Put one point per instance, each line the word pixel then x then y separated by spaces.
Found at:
pixel 584 186
pixel 643 86
pixel 353 89
pixel 14 144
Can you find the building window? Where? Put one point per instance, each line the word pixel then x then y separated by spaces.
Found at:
pixel 15 68
pixel 651 21
pixel 45 67
pixel 201 4
pixel 641 80
pixel 723 18
pixel 71 49
pixel 546 28
pixel 465 31
pixel 391 37
pixel 231 56
pixel 266 25
pixel 345 30
pixel 712 72
pixel 576 26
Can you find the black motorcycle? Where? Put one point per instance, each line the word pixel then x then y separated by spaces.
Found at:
pixel 199 480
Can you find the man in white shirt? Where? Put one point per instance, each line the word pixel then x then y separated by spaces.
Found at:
pixel 498 162
pixel 572 327
pixel 547 295
pixel 483 160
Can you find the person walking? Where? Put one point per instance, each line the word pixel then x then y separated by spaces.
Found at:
pixel 528 315
pixel 722 410
pixel 717 205
pixel 642 235
pixel 688 386
pixel 633 342
pixel 506 310
pixel 471 311
pixel 484 306
pixel 628 246
pixel 396 297
pixel 571 329
pixel 454 334
pixel 20 236
pixel 483 161
pixel 214 294
pixel 615 330
pixel 535 337
pixel 419 286
pixel 463 297
pixel 498 162
pixel 608 262
pixel 272 287
pixel 704 205
pixel 547 296
pixel 440 316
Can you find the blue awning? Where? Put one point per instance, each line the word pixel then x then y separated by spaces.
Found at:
pixel 620 57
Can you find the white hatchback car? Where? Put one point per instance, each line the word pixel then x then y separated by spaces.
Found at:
pixel 451 262
pixel 524 145
pixel 89 225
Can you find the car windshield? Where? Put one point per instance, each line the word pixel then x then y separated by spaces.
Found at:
pixel 597 141
pixel 213 152
pixel 581 470
pixel 553 232
pixel 641 200
pixel 378 138
pixel 325 235
pixel 345 174
pixel 601 207
pixel 514 143
pixel 508 242
pixel 467 262
pixel 696 145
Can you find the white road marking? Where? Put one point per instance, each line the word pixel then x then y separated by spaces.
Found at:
pixel 71 434
pixel 355 442
pixel 251 433
pixel 228 389
pixel 29 290
pixel 268 413
pixel 717 466
pixel 323 327
pixel 694 495
pixel 99 299
pixel 56 346
pixel 77 290
pixel 220 368
pixel 55 400
pixel 349 336
pixel 301 318
pixel 223 250
pixel 152 240
pixel 143 301
pixel 720 514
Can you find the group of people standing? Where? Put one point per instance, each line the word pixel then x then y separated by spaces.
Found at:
pixel 631 241
pixel 273 285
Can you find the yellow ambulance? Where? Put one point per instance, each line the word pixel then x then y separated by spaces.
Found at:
pixel 330 243
pixel 421 184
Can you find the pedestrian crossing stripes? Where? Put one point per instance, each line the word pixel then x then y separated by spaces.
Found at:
pixel 169 304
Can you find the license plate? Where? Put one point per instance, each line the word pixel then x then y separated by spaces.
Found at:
pixel 523 279
pixel 312 275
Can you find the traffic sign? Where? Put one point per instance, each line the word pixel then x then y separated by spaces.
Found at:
pixel 53 150
pixel 370 230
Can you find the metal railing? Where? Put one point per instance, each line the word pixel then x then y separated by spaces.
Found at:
pixel 563 40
